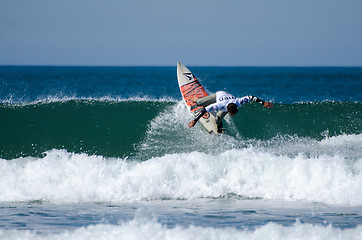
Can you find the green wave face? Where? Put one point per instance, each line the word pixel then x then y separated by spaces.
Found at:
pixel 314 120
pixel 101 128
pixel 127 128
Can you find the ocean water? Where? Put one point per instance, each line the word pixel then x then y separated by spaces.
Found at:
pixel 105 153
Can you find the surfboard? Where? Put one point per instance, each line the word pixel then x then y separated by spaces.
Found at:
pixel 191 88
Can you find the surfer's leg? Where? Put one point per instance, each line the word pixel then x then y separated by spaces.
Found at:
pixel 205 101
pixel 219 116
pixel 218 119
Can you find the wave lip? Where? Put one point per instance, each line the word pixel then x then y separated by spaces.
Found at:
pixel 247 173
pixel 64 99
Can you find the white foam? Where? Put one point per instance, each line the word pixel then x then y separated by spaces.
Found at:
pixel 63 99
pixel 346 146
pixel 148 230
pixel 248 172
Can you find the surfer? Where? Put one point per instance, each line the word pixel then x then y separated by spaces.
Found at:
pixel 223 103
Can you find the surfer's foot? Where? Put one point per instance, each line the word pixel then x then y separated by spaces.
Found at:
pixel 191 124
pixel 194 99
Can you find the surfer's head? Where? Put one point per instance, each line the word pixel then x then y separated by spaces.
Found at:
pixel 232 109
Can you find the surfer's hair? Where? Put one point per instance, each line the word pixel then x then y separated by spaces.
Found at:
pixel 232 108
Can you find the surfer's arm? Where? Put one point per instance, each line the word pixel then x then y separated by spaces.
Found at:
pixel 254 99
pixel 199 115
pixel 258 100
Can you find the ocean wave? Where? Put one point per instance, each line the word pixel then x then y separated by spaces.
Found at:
pixel 327 177
pixel 143 228
pixel 149 127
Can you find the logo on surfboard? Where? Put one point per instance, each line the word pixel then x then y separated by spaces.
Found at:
pixel 189 76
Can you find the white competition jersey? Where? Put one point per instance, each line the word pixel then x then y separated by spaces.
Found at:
pixel 223 99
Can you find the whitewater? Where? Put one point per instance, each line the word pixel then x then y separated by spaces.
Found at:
pixel 63 177
pixel 84 164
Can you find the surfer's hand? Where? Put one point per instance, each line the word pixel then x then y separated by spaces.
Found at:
pixel 191 124
pixel 268 104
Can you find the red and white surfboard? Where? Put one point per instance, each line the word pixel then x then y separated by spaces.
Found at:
pixel 190 89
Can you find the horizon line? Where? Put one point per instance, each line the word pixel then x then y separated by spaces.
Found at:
pixel 191 65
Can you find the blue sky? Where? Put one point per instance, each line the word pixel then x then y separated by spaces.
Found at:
pixel 197 32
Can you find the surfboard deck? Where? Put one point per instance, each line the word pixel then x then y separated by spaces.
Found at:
pixel 190 89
